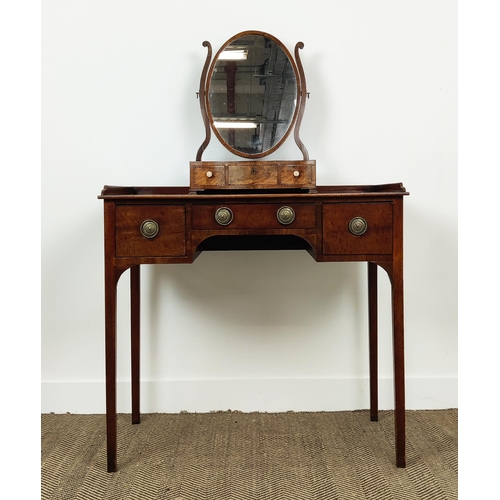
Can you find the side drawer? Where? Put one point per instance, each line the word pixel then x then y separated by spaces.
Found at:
pixel 255 216
pixel 136 226
pixel 208 176
pixel 301 174
pixel 338 238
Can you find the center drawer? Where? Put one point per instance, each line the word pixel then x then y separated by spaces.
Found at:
pixel 254 216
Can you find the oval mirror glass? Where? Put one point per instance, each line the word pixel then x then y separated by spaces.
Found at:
pixel 252 92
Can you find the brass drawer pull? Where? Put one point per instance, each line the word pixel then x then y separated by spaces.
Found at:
pixel 358 226
pixel 286 215
pixel 223 216
pixel 149 228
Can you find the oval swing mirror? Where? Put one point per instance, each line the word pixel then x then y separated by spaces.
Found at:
pixel 252 92
pixel 252 95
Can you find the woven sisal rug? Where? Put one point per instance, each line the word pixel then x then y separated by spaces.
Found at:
pixel 261 456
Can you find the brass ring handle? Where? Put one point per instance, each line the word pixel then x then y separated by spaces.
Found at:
pixel 223 216
pixel 286 215
pixel 149 228
pixel 358 226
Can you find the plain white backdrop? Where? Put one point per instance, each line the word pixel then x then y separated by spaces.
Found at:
pixel 263 331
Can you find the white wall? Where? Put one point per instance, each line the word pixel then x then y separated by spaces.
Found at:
pixel 266 331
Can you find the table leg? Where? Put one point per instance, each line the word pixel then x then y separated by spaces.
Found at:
pixel 135 315
pixel 111 279
pixel 399 375
pixel 373 339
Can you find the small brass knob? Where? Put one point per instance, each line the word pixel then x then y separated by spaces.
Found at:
pixel 209 174
pixel 358 226
pixel 296 173
pixel 223 216
pixel 286 215
pixel 149 228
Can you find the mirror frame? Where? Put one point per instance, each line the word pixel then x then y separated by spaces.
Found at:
pixel 205 82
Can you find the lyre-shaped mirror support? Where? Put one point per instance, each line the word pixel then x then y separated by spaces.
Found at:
pixel 286 84
pixel 302 101
pixel 202 97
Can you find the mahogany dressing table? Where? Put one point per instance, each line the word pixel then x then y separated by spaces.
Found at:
pixel 253 205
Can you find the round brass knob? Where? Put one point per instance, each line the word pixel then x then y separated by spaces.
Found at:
pixel 286 215
pixel 149 228
pixel 224 216
pixel 358 226
pixel 209 174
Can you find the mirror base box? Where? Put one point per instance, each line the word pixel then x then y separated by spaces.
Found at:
pixel 294 174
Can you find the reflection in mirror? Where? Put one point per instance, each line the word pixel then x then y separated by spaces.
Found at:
pixel 252 91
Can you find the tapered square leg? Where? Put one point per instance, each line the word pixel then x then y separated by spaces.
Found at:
pixel 135 320
pixel 110 335
pixel 373 338
pixel 399 376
